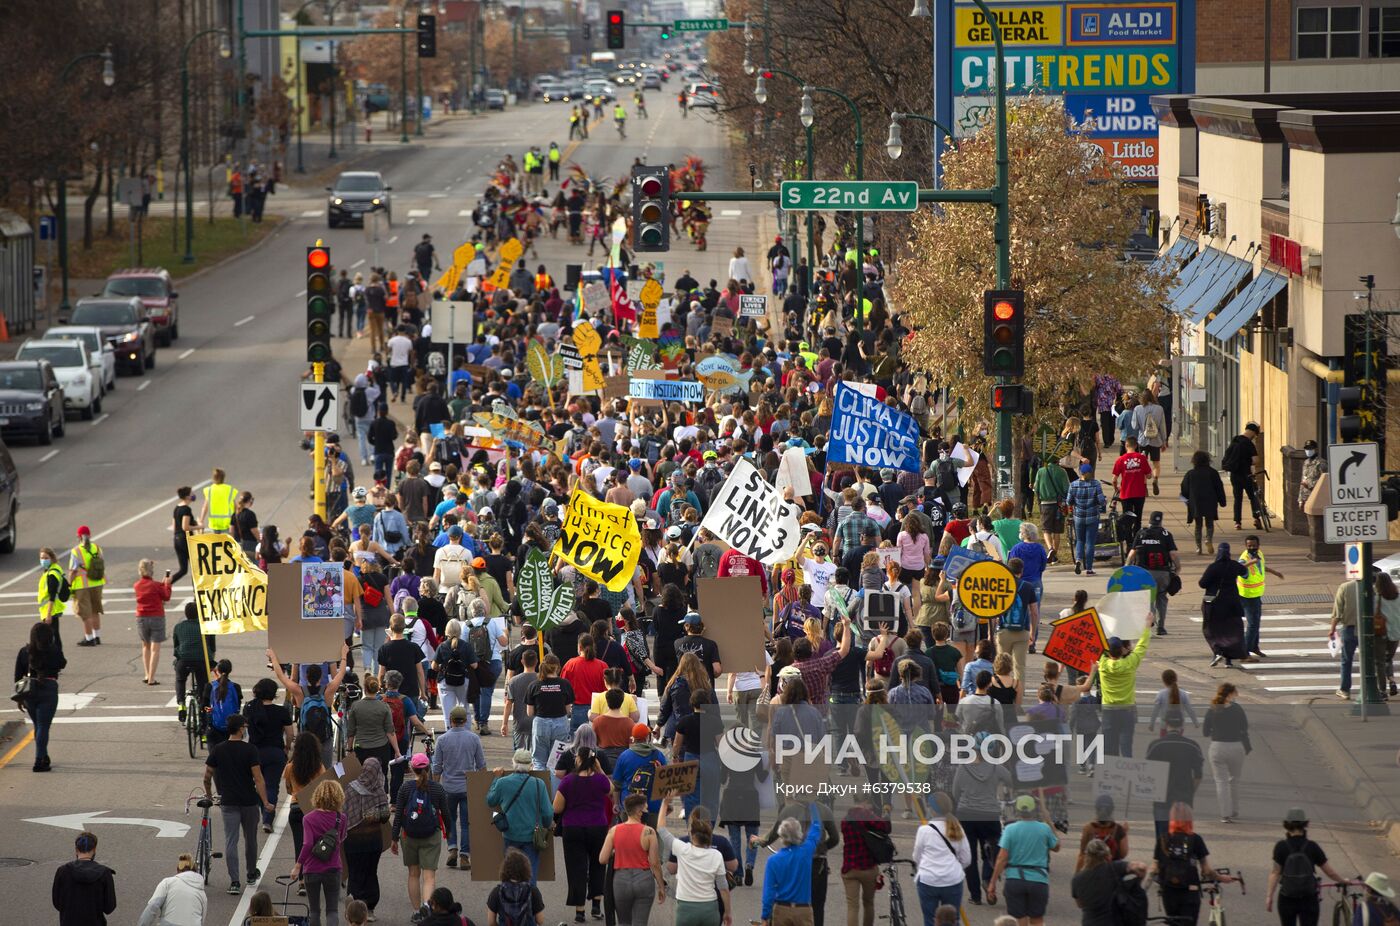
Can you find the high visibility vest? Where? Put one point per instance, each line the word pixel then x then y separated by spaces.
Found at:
pixel 1252 585
pixel 554 155
pixel 84 556
pixel 56 571
pixel 220 498
pixel 529 160
pixel 543 282
pixel 619 112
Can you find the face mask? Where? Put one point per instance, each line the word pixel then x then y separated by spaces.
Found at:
pixel 45 563
pixel 1310 453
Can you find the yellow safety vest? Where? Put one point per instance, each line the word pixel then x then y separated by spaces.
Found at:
pixel 220 498
pixel 554 155
pixel 529 160
pixel 1252 585
pixel 80 555
pixel 619 112
pixel 56 571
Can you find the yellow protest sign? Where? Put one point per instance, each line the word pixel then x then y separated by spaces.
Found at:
pixel 586 339
pixel 463 255
pixel 600 540
pixel 593 377
pixel 511 251
pixel 652 292
pixel 500 279
pixel 448 281
pixel 230 592
pixel 987 588
pixel 650 298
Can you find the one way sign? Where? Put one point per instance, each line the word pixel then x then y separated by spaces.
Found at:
pixel 1353 474
pixel 320 406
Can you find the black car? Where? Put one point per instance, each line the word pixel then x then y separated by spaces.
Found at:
pixel 31 400
pixel 125 326
pixel 356 193
pixel 9 500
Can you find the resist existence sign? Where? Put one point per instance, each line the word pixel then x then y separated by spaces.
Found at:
pixel 230 592
pixel 867 432
pixel 600 540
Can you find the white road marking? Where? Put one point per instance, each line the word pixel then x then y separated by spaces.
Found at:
pixel 411 222
pixel 50 455
pixel 731 212
pixel 243 321
pixel 300 293
pixel 435 196
pixel 1331 687
pixel 142 387
pixel 279 826
pixel 418 213
pixel 99 419
pixel 357 263
pixel 313 213
pixel 191 351
pixel 167 829
pixel 463 213
pixel 392 239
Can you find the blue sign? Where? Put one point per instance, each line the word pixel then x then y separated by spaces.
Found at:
pixel 1115 115
pixel 867 432
pixel 1130 24
pixel 48 227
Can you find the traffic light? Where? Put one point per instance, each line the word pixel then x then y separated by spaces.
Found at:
pixel 1013 399
pixel 651 209
pixel 1349 417
pixel 665 33
pixel 427 36
pixel 617 26
pixel 588 32
pixel 318 304
pixel 1004 332
pixel 1390 497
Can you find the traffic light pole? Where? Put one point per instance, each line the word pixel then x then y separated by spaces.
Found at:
pixel 1370 700
pixel 318 454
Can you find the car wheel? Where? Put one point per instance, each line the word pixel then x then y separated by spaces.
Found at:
pixel 87 411
pixel 45 435
pixel 97 405
pixel 11 540
pixel 332 223
pixel 62 428
pixel 174 331
pixel 151 359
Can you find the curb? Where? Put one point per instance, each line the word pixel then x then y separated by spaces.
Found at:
pixel 282 225
pixel 1369 796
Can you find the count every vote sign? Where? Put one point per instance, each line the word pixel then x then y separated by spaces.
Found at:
pixel 665 390
pixel 867 432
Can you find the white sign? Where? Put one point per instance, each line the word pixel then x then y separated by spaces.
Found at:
pixel 165 829
pixel 456 320
pixel 319 409
pixel 1127 780
pixel 748 514
pixel 1354 524
pixel 665 390
pixel 1353 474
pixel 476 267
pixel 792 471
pixel 753 306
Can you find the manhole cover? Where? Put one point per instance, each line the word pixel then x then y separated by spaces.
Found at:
pixel 15 862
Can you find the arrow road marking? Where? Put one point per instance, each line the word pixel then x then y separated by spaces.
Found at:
pixel 165 829
pixel 1356 459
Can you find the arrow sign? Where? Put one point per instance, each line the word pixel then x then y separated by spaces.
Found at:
pixel 320 406
pixel 1354 474
pixel 1356 458
pixel 165 829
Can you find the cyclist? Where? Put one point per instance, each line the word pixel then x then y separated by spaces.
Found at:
pixel 620 118
pixel 190 656
pixel 682 99
pixel 1295 859
pixel 1179 862
pixel 640 102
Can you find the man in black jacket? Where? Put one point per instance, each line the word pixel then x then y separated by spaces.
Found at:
pixel 430 408
pixel 1238 461
pixel 84 892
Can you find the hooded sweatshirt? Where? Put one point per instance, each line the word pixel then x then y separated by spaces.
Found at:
pixel 975 790
pixel 178 901
pixel 636 756
pixel 84 892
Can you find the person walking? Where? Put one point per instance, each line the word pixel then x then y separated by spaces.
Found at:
pixel 369 727
pixel 1294 876
pixel 1345 613
pixel 1180 862
pixel 271 730
pixel 304 766
pixel 84 890
pixel 178 900
pixel 860 873
pixel 458 752
pixel 1102 882
pixel 366 812
pixel 183 525
pixel 87 574
pixel 420 809
pixel 1186 765
pixel 1105 829
pixel 1205 496
pixel 1024 857
pixel 1118 689
pixel 515 900
pixel 582 805
pixel 1227 727
pixel 1154 549
pixel 633 850
pixel 1251 589
pixel 941 856
pixel 1221 612
pixel 1238 461
pixel 549 702
pixel 217 511
pixel 319 861
pixel 1150 423
pixel 978 787
pixel 151 597
pixel 524 807
pixel 1130 479
pixel 37 666
pixel 234 765
pixel 1051 487
pixel 1086 502
pixel 787 877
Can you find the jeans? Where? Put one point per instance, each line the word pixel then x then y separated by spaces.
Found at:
pixel 43 704
pixel 457 822
pixel 362 854
pixel 1209 527
pixel 321 883
pixel 983 838
pixel 1086 535
pixel 344 315
pixel 844 708
pixel 373 638
pixel 361 311
pixel 585 873
pixel 633 892
pixel 184 668
pixel 860 896
pixel 483 699
pixel 450 696
pixel 362 436
pixel 1159 603
pixel 931 898
pixel 236 819
pixel 271 759
pixel 1226 766
pixel 578 718
pixel 1253 614
pixel 1118 725
pixel 400 378
pixel 738 836
pixel 531 853
pixel 547 731
pixel 383 466
pixel 1349 642
pixel 1242 484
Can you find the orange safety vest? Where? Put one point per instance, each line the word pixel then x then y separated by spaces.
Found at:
pixel 543 281
pixel 393 299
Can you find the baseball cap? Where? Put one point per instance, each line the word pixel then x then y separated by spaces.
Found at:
pixel 84 531
pixel 419 760
pixel 1295 815
pixel 549 505
pixel 1025 804
pixel 522 757
pixel 691 617
pixel 479 563
pixel 361 492
pixel 640 731
pixel 435 467
pixel 635 463
pixel 651 524
pixel 811 528
pixel 673 532
pixel 455 532
pixel 789 672
pixel 458 714
pixel 1115 644
pixel 1086 467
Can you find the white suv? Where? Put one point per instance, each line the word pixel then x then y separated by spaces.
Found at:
pixel 82 388
pixel 100 353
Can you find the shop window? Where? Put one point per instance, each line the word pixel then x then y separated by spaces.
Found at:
pixel 1383 32
pixel 1328 32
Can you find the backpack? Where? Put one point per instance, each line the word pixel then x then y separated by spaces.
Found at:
pixel 947 476
pixel 1112 837
pixel 480 639
pixel 454 670
pixel 64 590
pixel 1017 618
pixel 396 710
pixel 642 779
pixel 359 403
pixel 1296 877
pixel 420 820
pixel 1130 903
pixel 316 717
pixel 1178 868
pixel 96 566
pixel 1150 430
pixel 222 710
pixel 707 482
pixel 515 899
pixel 423 253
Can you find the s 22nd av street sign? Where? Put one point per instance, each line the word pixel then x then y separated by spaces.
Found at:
pixel 841 195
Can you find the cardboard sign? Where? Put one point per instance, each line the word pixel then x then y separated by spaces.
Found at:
pixel 602 541
pixel 586 339
pixel 595 296
pixel 617 387
pixel 661 390
pixel 722 325
pixel 881 608
pixel 641 354
pixel 322 591
pixel 987 589
pixel 504 424
pixel 230 592
pixel 677 779
pixel 647 326
pixel 1128 780
pixel 867 432
pixel 295 638
pixel 732 608
pixel 753 306
pixel 1077 640
pixel 749 514
pixel 488 843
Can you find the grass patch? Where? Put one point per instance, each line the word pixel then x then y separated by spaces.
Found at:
pixel 212 243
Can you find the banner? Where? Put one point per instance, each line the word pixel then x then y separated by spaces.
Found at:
pixel 601 540
pixel 543 603
pixel 230 592
pixel 867 432
pixel 721 373
pixel 504 424
pixel 748 514
pixel 662 390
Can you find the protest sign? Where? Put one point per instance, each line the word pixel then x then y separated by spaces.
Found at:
pixel 722 373
pixel 1128 779
pixel 586 339
pixel 867 432
pixel 573 360
pixel 671 350
pixel 986 589
pixel 230 592
pixel 593 378
pixel 322 591
pixel 489 850
pixel 960 452
pixel 661 390
pixel 476 268
pixel 595 296
pixel 295 636
pixel 1077 640
pixel 733 610
pixel 677 779
pixel 601 540
pixel 647 326
pixel 887 555
pixel 505 424
pixel 753 306
pixel 617 387
pixel 641 355
pixel 750 515
pixel 543 603
pixel 645 374
pixel 651 292
pixel 511 251
pixel 792 471
pixel 722 325
pixel 545 369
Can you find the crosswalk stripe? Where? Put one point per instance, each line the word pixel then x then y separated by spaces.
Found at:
pixel 418 213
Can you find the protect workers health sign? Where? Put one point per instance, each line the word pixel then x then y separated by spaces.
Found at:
pixel 748 514
pixel 600 540
pixel 230 592
pixel 867 432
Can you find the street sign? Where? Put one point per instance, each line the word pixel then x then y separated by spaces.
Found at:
pixel 1353 472
pixel 320 406
pixel 1354 523
pixel 840 195
pixel 48 227
pixel 701 25
pixel 1352 558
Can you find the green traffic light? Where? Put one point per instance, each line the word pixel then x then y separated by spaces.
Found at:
pixel 651 235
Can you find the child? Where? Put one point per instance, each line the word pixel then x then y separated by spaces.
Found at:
pixel 356 913
pixel 1081 602
pixel 1172 704
pixel 1045 707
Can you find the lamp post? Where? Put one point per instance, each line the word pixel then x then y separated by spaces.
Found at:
pixel 894 144
pixel 403 81
pixel 806 116
pixel 225 51
pixel 335 88
pixel 109 77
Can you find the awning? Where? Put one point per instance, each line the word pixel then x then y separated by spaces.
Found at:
pixel 1176 256
pixel 1189 274
pixel 1246 305
pixel 1211 284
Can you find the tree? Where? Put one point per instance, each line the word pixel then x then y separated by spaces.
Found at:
pixel 1088 310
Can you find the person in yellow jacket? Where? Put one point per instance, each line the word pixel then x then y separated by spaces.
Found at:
pixel 217 511
pixel 1251 588
pixel 51 581
pixel 554 154
pixel 87 573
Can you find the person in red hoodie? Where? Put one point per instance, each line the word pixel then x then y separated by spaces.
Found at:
pixel 151 597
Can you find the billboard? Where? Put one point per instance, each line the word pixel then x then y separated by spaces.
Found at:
pixel 1106 59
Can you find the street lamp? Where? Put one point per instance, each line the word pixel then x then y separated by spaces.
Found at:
pixel 109 77
pixel 748 61
pixel 921 10
pixel 807 115
pixel 225 51
pixel 894 145
pixel 109 73
pixel 760 91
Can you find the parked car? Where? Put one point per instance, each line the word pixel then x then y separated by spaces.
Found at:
pixel 495 99
pixel 9 501
pixel 82 388
pixel 124 325
pixel 355 193
pixel 703 96
pixel 156 289
pixel 100 353
pixel 31 400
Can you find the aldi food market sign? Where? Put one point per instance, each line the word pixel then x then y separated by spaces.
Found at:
pixel 1106 59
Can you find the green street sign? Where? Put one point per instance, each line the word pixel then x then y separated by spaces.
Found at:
pixel 702 25
pixel 842 195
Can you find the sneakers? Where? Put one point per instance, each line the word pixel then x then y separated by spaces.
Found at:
pixel 1260 653
pixel 235 888
pixel 597 911
pixel 464 862
pixel 181 714
pixel 1089 572
pixel 254 875
pixel 1078 567
pixel 579 917
pixel 1161 631
pixel 1215 662
pixel 422 914
pixel 748 877
pixel 92 642
pixel 1210 547
pixel 451 858
pixel 1344 695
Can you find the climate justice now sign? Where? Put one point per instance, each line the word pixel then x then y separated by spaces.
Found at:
pixel 867 432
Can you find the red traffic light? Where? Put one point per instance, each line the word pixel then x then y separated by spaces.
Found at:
pixel 767 75
pixel 651 186
pixel 615 18
pixel 318 258
pixel 1004 310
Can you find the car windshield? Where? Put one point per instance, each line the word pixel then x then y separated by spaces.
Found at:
pixel 362 183
pixel 92 341
pixel 134 286
pixel 60 355
pixel 104 315
pixel 26 379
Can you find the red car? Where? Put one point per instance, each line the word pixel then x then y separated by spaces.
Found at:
pixel 156 290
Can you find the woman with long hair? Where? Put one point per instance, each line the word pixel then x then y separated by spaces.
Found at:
pixel 1099 882
pixel 271 549
pixel 366 809
pixel 915 553
pixel 583 808
pixel 1173 705
pixel 1227 728
pixel 244 525
pixel 1387 637
pixel 549 703
pixel 675 697
pixel 41 661
pixel 1005 688
pixel 420 808
pixel 941 854
pixel 634 645
pixel 670 610
pixel 225 699
pixel 1180 861
pixel 634 850
pixel 303 767
pixel 322 875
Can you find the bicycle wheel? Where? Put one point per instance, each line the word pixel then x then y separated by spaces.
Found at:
pixel 1217 916
pixel 192 727
pixel 1341 914
pixel 896 903
pixel 340 740
pixel 203 854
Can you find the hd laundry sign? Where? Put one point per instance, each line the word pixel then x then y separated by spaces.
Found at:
pixel 1107 59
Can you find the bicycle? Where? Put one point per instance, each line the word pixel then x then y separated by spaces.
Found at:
pixel 1215 915
pixel 345 698
pixel 204 853
pixel 621 127
pixel 196 725
pixel 1350 894
pixel 890 871
pixel 1257 481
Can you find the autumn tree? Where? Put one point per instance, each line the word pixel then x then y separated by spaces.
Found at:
pixel 1088 310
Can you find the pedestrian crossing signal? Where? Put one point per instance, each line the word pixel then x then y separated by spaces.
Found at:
pixel 617 29
pixel 1013 399
pixel 318 304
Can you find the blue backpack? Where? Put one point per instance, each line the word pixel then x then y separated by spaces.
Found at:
pixel 316 717
pixel 222 709
pixel 1018 618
